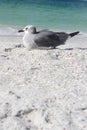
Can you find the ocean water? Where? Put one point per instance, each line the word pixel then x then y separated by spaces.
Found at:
pixel 51 14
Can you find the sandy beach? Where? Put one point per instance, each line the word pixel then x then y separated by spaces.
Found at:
pixel 43 89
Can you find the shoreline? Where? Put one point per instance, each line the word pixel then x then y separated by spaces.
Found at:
pixel 13 29
pixel 9 34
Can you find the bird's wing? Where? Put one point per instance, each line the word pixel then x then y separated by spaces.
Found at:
pixel 62 36
pixel 46 38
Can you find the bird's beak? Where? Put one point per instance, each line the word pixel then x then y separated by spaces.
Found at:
pixel 20 31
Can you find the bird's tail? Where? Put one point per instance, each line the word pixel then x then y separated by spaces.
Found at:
pixel 73 34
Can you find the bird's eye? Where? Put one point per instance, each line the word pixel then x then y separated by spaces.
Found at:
pixel 26 28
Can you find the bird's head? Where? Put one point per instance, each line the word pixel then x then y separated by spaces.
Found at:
pixel 29 29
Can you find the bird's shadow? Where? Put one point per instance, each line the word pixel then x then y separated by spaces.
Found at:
pixel 71 48
pixel 42 48
pixel 79 48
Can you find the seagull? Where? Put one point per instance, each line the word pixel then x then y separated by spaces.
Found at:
pixel 44 38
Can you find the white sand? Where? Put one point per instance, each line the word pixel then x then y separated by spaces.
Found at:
pixel 43 89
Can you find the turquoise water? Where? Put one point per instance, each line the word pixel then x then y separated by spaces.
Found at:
pixel 54 14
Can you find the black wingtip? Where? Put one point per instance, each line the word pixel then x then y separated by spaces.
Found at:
pixel 74 33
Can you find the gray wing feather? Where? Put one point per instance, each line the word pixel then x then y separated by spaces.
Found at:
pixel 47 38
pixel 62 36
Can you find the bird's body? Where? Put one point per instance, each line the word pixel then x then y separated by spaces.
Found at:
pixel 46 38
pixel 28 41
pixel 43 38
